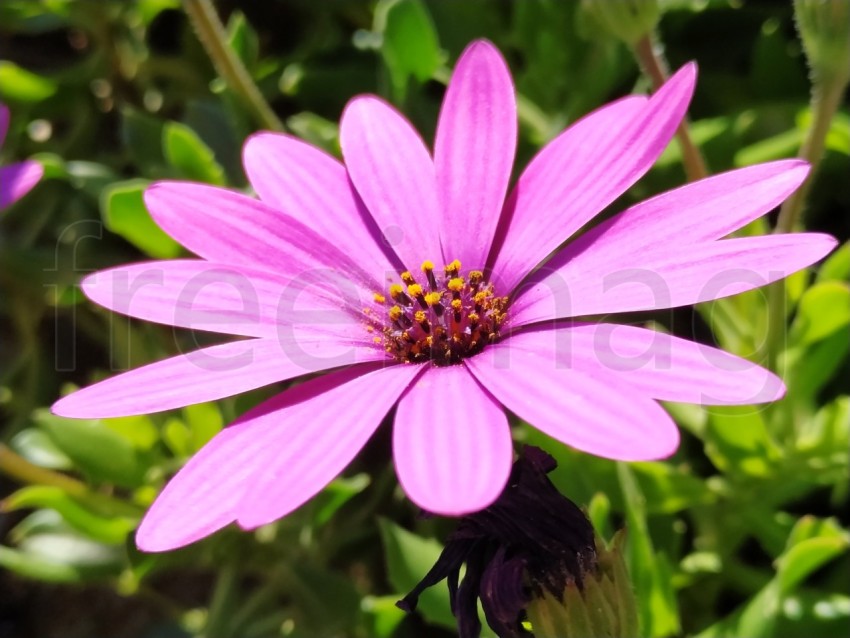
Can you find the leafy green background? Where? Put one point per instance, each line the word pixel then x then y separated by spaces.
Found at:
pixel 742 534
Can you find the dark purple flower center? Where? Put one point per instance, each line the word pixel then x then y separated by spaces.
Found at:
pixel 442 318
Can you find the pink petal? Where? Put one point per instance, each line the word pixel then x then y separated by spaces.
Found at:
pixel 451 443
pixel 585 169
pixel 238 300
pixel 393 172
pixel 309 185
pixel 695 213
pixel 474 153
pixel 209 374
pixel 667 276
pixel 202 497
pixel 312 433
pixel 16 180
pixel 226 227
pixel 653 363
pixel 605 418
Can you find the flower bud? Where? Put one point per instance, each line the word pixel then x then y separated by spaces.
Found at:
pixel 532 554
pixel 824 27
pixel 629 20
pixel 603 606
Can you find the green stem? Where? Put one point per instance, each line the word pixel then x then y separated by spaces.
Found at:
pixel 22 470
pixel 218 618
pixel 214 39
pixel 826 98
pixel 654 65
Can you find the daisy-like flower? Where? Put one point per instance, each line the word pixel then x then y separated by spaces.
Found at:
pixel 16 180
pixel 419 283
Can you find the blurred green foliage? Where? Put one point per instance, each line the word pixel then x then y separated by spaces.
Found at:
pixel 742 534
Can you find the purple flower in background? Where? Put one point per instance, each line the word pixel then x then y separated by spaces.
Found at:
pixel 16 180
pixel 421 282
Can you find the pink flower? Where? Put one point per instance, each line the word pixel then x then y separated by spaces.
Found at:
pixel 315 274
pixel 16 180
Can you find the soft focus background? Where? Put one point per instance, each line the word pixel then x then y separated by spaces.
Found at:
pixel 742 534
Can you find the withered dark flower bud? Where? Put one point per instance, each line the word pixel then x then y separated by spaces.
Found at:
pixel 531 541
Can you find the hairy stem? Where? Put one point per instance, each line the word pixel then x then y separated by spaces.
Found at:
pixel 826 98
pixel 654 65
pixel 211 33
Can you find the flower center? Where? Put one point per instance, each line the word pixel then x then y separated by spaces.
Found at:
pixel 443 319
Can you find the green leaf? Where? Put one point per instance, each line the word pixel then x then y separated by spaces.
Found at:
pixel 19 85
pixel 204 422
pixel 316 130
pixel 837 265
pixel 337 494
pixel 29 566
pixel 142 136
pixel 649 569
pixel 812 543
pixel 410 46
pixel 140 431
pixel 123 210
pixel 97 451
pixel 810 368
pixel 409 557
pixel 824 309
pixel 187 153
pixel 242 38
pixel 737 441
pixel 107 530
pixel 37 448
pixel 668 490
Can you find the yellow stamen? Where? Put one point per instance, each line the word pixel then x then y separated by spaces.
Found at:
pixel 457 305
pixel 433 298
pixel 454 266
pixel 475 277
pixel 419 315
pixel 455 284
pixel 395 313
pixel 378 297
pixel 415 290
pixel 481 297
pixel 407 278
pixel 427 266
pixel 395 290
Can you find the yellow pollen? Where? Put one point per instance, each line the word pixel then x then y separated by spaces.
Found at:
pixel 454 266
pixel 433 298
pixel 455 284
pixel 444 318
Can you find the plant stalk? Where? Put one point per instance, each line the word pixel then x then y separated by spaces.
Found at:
pixel 212 35
pixel 825 101
pixel 17 467
pixel 654 65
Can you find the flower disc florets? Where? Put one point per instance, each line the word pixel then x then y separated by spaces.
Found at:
pixel 442 318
